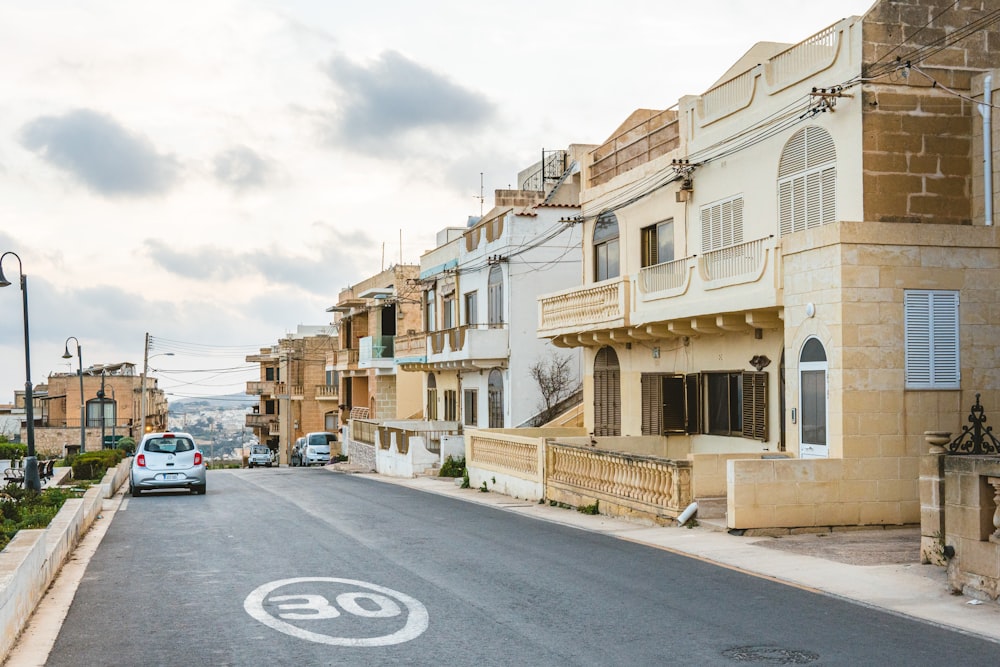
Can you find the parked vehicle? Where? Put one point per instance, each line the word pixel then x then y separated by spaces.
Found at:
pixel 260 455
pixel 167 461
pixel 317 448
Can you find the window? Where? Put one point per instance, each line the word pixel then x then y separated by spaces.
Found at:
pixel 658 243
pixel 94 412
pixel 332 378
pixel 812 400
pixel 734 403
pixel 931 339
pixel 494 296
pixel 471 307
pixel 430 315
pixel 448 312
pixel 725 403
pixel 470 409
pixel 450 405
pixel 807 181
pixel 722 224
pixel 495 397
pixel 665 406
pixel 432 397
pixel 606 257
pixel 270 374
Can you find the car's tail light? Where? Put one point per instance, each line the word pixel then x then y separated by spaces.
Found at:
pixel 197 458
pixel 141 460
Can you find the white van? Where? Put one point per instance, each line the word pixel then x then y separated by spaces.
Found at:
pixel 317 448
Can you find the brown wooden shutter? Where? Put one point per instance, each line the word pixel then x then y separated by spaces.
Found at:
pixel 755 405
pixel 674 408
pixel 652 403
pixel 692 389
pixel 607 393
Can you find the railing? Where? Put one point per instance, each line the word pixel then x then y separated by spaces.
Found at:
pixel 273 428
pixel 661 487
pixel 411 345
pixel 258 420
pixel 977 438
pixel 806 57
pixel 327 391
pixel 646 140
pixel 347 357
pixel 432 439
pixel 664 276
pixel 735 261
pixel 729 96
pixel 363 430
pixel 551 167
pixel 504 454
pixel 600 303
pixel 298 390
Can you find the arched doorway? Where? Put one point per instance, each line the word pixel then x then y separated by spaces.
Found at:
pixel 813 435
pixel 607 393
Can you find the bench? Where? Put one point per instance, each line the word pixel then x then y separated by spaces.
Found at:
pixel 14 475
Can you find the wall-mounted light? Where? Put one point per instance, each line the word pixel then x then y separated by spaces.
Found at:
pixel 656 353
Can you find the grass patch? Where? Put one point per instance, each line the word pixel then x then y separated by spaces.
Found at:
pixel 453 467
pixel 22 509
pixel 589 509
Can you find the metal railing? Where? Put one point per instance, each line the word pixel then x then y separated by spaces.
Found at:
pixel 975 438
pixel 735 261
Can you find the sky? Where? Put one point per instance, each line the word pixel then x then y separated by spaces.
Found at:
pixel 213 173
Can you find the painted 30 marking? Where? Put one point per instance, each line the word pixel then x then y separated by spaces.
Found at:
pixel 294 609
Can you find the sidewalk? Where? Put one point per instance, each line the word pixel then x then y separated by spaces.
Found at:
pixel 876 568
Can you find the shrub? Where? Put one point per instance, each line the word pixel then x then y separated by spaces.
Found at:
pixel 93 465
pixel 127 445
pixel 28 509
pixel 13 450
pixel 453 467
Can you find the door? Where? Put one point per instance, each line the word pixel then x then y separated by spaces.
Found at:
pixel 813 394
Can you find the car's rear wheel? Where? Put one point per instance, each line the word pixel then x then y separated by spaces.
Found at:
pixel 199 489
pixel 134 491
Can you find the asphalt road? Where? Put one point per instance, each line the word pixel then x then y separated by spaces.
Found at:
pixel 293 566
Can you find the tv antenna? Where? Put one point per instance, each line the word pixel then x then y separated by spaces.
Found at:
pixel 482 196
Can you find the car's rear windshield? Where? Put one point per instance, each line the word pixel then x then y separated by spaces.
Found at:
pixel 169 445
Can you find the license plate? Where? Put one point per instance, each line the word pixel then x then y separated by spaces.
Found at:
pixel 170 475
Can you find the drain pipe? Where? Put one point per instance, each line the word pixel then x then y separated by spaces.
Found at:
pixel 986 111
pixel 687 514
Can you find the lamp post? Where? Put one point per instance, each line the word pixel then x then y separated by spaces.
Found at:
pixel 31 480
pixel 104 414
pixel 83 403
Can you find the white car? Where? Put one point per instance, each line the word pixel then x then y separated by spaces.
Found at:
pixel 316 449
pixel 260 455
pixel 167 461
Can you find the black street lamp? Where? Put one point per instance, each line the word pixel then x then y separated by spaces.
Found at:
pixel 31 480
pixel 79 372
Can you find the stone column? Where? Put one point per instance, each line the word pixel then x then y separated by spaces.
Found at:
pixel 931 486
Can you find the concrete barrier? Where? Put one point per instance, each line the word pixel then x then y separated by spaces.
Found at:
pixel 31 561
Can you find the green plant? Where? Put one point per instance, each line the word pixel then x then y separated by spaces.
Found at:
pixel 93 465
pixel 465 480
pixel 23 509
pixel 691 523
pixel 12 450
pixel 127 445
pixel 589 509
pixel 483 488
pixel 453 467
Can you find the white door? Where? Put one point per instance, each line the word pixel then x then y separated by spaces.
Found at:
pixel 813 394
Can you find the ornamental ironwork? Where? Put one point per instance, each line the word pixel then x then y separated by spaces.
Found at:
pixel 975 438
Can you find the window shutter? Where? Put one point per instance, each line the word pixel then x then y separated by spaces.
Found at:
pixel 829 177
pixel 931 339
pixel 785 207
pixel 674 409
pixel 692 390
pixel 807 181
pixel 652 402
pixel 755 405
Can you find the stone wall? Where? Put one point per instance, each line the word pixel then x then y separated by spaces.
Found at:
pixel 972 488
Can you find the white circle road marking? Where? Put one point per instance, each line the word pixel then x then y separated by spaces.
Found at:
pixel 416 622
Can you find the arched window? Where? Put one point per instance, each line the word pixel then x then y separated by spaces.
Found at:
pixel 432 397
pixel 607 393
pixel 494 297
pixel 495 396
pixel 606 255
pixel 813 366
pixel 807 181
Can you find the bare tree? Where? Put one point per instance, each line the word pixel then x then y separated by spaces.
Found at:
pixel 555 381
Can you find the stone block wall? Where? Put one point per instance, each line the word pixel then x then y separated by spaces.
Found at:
pixel 918 136
pixel 972 486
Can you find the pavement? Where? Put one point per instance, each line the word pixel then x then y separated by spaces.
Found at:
pixel 877 568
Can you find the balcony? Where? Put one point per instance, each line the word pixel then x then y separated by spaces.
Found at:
pixel 736 288
pixel 260 421
pixel 603 305
pixel 376 352
pixel 411 347
pixel 260 388
pixel 347 360
pixel 325 392
pixel 472 346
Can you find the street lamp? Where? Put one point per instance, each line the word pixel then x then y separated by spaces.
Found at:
pixel 31 480
pixel 83 405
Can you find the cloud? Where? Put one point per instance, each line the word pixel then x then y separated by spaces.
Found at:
pixel 394 97
pixel 100 153
pixel 241 168
pixel 337 264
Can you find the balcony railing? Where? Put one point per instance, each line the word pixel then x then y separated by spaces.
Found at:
pixel 259 421
pixel 808 56
pixel 261 388
pixel 647 485
pixel 363 430
pixel 739 263
pixel 666 277
pixel 601 304
pixel 411 345
pixel 375 351
pixel 327 391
